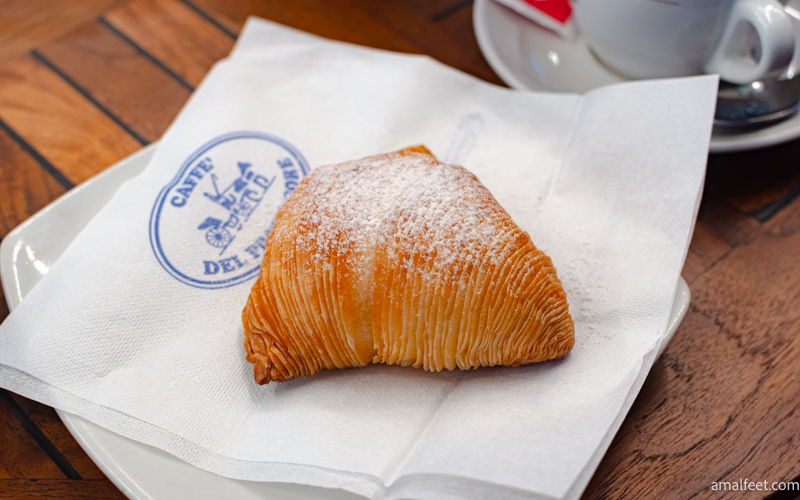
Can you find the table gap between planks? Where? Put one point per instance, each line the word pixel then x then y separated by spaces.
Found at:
pixel 82 88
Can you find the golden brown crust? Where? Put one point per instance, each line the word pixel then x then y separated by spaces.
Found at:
pixel 400 259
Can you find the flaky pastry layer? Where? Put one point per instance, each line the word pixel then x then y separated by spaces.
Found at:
pixel 400 259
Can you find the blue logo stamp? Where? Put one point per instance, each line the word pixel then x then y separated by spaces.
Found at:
pixel 209 226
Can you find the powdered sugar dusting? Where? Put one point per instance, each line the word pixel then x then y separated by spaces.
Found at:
pixel 447 218
pixel 442 212
pixel 341 206
pixel 406 203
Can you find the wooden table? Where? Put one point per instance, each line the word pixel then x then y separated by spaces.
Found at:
pixel 85 85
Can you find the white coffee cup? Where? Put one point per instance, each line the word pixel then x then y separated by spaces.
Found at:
pixel 742 40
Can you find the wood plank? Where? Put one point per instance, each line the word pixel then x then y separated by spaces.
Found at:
pixel 752 180
pixel 436 10
pixel 54 429
pixel 451 41
pixel 727 222
pixel 25 25
pixel 25 187
pixel 20 456
pixel 126 83
pixel 228 16
pixel 705 249
pixel 465 54
pixel 336 20
pixel 724 401
pixel 58 122
pixel 232 15
pixel 174 34
pixel 720 227
pixel 4 312
pixel 62 489
pixel 402 27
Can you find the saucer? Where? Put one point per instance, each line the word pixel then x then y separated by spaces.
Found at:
pixel 527 56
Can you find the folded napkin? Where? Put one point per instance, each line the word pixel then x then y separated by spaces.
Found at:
pixel 138 326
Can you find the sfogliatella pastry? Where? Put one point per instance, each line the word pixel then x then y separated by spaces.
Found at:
pixel 400 259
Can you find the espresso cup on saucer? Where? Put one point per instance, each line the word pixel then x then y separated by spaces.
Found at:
pixel 741 40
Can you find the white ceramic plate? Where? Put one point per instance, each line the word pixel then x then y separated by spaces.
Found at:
pixel 142 471
pixel 529 57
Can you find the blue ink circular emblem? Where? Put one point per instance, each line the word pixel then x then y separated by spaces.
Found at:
pixel 209 226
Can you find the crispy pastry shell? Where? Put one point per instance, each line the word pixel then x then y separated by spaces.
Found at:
pixel 400 259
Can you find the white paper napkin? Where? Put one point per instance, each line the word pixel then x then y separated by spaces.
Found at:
pixel 137 327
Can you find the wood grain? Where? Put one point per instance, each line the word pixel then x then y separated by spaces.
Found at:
pixel 4 312
pixel 705 249
pixel 58 122
pixel 726 221
pixel 336 20
pixel 25 187
pixel 174 34
pixel 723 403
pixel 459 26
pixel 61 489
pixel 753 180
pixel 51 425
pixel 720 227
pixel 451 41
pixel 26 24
pixel 411 27
pixel 125 82
pixel 20 456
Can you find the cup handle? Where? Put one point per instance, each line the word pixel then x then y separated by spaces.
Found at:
pixel 774 29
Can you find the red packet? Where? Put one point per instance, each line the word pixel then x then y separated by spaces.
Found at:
pixel 555 15
pixel 557 9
